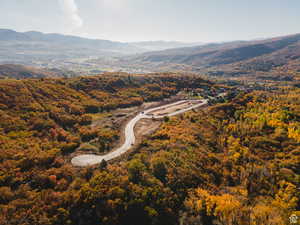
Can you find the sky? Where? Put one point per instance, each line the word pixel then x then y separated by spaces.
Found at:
pixel 149 20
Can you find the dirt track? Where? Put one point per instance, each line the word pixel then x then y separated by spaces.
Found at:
pixel 153 113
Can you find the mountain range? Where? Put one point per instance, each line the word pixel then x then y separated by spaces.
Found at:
pixel 273 57
pixel 31 47
pixel 234 58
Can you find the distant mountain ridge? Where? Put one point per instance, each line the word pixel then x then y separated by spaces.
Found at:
pixel 49 50
pixel 41 49
pixel 279 55
pixel 260 55
pixel 224 53
pixel 11 35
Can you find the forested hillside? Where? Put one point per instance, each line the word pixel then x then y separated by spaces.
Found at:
pixel 14 71
pixel 44 120
pixel 235 162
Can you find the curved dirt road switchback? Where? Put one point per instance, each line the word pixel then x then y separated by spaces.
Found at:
pixel 91 159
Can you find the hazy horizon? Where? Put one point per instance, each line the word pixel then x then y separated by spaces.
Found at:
pixel 140 20
pixel 139 41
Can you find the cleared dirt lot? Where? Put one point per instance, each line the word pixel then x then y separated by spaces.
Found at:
pixel 145 127
pixel 143 123
pixel 174 108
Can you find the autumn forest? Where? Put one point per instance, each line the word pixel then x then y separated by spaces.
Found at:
pixel 234 162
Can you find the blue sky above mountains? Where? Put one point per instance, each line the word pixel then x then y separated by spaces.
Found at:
pixel 137 20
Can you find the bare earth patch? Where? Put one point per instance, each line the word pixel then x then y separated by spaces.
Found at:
pixel 145 127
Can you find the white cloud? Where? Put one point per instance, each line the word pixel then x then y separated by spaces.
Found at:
pixel 70 10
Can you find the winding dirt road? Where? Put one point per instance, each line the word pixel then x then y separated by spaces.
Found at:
pixel 91 159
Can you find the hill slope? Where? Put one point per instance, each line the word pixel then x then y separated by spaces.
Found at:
pixel 20 72
pixel 232 163
pixel 263 55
